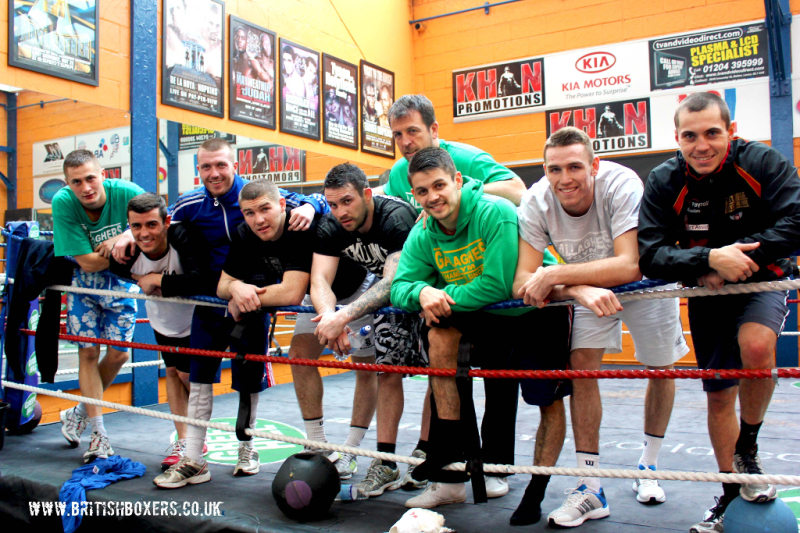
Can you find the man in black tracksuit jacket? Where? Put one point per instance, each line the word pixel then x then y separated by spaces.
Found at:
pixel 733 208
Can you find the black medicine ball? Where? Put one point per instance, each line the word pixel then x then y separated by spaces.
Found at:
pixel 305 486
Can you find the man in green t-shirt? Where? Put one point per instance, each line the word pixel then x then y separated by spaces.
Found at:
pixel 89 216
pixel 414 127
pixel 463 260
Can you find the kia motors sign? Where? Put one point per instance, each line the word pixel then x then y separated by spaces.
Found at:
pixel 498 90
pixel 597 75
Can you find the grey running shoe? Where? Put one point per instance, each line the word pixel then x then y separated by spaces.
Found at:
pixel 248 463
pixel 72 426
pixel 346 465
pixel 183 472
pixel 437 494
pixel 749 463
pixel 712 521
pixel 379 478
pixel 408 482
pixel 581 505
pixel 99 448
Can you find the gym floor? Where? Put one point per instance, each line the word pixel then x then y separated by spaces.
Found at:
pixel 33 467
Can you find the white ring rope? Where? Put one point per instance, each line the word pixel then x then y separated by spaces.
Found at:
pixel 662 475
pixel 632 296
pixel 783 333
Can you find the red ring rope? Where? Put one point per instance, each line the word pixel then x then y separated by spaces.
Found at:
pixel 443 372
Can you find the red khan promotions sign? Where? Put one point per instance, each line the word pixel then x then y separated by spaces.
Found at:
pixel 613 126
pixel 280 164
pixel 501 89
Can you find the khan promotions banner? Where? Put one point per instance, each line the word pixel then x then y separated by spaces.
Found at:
pixel 377 90
pixel 299 90
pixel 55 38
pixel 192 55
pixel 252 68
pixel 498 90
pixel 340 87
pixel 721 55
pixel 613 127
pixel 280 164
pixel 191 137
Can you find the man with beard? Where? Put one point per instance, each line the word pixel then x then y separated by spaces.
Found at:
pixel 370 230
pixel 370 114
pixel 414 127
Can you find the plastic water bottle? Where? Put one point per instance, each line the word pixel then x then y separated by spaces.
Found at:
pixel 356 340
pixel 351 493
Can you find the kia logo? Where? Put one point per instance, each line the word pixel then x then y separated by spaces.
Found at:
pixel 595 62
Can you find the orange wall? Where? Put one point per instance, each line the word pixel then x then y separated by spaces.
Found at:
pixel 62 119
pixel 536 27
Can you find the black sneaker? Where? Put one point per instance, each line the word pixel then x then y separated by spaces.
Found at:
pixel 749 463
pixel 712 521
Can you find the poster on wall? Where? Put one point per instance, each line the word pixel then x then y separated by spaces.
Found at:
pixel 279 164
pixel 252 67
pixel 748 103
pixel 55 38
pixel 192 55
pixel 377 91
pixel 621 126
pixel 191 137
pixel 498 90
pixel 48 156
pixel 720 55
pixel 45 188
pixel 340 91
pixel 599 74
pixel 299 90
pixel 110 147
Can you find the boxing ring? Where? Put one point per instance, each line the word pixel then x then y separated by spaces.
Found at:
pixel 32 467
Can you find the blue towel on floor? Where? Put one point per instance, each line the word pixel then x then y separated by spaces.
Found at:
pixel 96 475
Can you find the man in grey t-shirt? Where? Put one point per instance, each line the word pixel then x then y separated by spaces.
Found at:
pixel 589 210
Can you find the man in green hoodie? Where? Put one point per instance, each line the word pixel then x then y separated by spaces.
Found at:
pixel 462 261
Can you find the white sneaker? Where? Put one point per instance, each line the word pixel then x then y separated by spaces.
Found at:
pixel 346 465
pixel 496 487
pixel 99 448
pixel 581 505
pixel 248 463
pixel 439 494
pixel 72 426
pixel 648 490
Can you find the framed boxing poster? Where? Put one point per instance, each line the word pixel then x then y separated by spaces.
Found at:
pixel 299 90
pixel 60 42
pixel 192 55
pixel 340 91
pixel 377 91
pixel 252 67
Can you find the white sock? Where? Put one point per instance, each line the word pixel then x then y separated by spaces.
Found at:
pixel 355 436
pixel 589 460
pixel 652 445
pixel 315 429
pixel 201 402
pixel 97 425
pixel 253 414
pixel 81 411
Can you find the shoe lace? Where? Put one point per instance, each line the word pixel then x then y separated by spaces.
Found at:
pixel 345 458
pixel 374 473
pixel 716 512
pixel 645 482
pixel 176 448
pixel 245 453
pixel 752 463
pixel 574 499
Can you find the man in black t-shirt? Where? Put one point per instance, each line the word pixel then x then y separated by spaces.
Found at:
pixel 269 266
pixel 371 231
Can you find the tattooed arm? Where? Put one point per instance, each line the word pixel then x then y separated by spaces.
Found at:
pixel 332 325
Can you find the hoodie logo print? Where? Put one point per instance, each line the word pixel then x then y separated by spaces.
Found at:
pixel 462 265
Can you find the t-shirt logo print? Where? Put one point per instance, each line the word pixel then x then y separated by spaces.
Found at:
pixel 372 256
